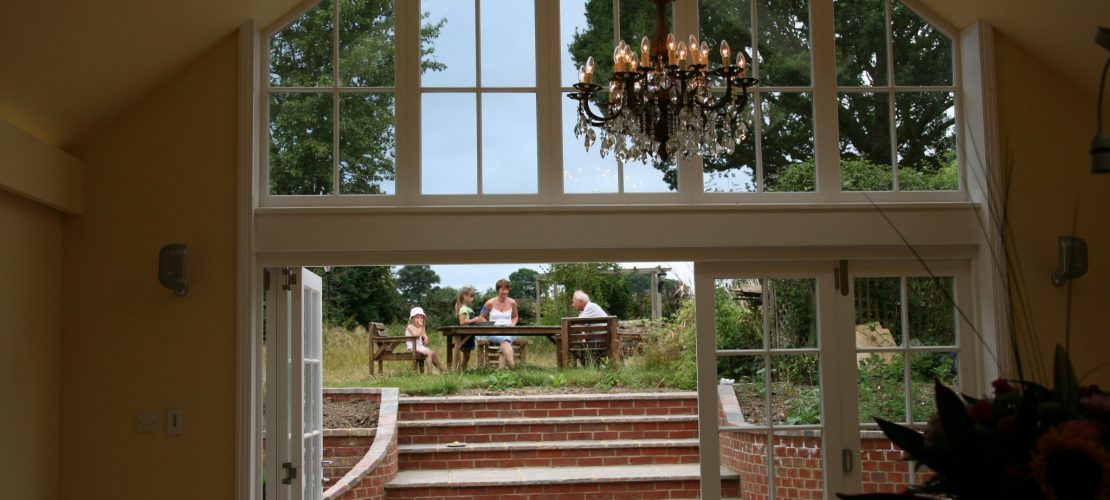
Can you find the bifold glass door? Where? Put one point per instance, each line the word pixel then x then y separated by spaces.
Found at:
pixel 795 358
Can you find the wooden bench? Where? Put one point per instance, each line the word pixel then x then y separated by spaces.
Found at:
pixel 590 339
pixel 388 348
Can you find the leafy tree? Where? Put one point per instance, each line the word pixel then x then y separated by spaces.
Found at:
pixel 360 295
pixel 523 289
pixel 607 290
pixel 301 123
pixel 415 284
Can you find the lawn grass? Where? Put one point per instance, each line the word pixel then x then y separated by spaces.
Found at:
pixel 345 365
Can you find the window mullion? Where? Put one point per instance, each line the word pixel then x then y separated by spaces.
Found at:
pixel 478 88
pixel 826 129
pixel 407 95
pixel 548 102
pixel 335 184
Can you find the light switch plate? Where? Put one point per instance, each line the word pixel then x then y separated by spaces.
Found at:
pixel 175 423
pixel 146 422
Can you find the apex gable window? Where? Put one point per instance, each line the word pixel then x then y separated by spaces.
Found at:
pixel 896 99
pixel 445 102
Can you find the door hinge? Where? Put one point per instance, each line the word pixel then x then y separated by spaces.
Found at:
pixel 846 460
pixel 290 473
pixel 288 279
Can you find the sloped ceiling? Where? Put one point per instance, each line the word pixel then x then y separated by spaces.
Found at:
pixel 68 66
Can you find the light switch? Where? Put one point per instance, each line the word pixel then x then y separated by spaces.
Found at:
pixel 146 422
pixel 174 421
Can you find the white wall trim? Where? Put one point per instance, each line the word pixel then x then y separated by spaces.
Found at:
pixel 248 440
pixel 985 176
pixel 40 172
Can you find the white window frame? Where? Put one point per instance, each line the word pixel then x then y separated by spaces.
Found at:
pixel 549 92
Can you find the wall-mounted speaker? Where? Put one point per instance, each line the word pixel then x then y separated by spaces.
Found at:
pixel 171 268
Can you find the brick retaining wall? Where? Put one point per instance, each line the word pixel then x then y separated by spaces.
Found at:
pixel 367 478
pixel 798 457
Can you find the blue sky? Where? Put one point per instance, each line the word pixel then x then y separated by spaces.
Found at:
pixel 483 276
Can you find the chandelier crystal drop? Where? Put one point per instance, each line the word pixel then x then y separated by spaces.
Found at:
pixel 663 103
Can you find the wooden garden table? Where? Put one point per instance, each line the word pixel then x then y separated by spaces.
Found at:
pixel 456 335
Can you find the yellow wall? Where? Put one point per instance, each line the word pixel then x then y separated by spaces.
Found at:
pixel 30 330
pixel 1046 129
pixel 164 172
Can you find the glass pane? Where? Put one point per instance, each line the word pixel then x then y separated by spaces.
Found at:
pixel 300 54
pixel 733 172
pixel 366 45
pixel 878 304
pixel 508 43
pixel 300 143
pixel 449 144
pixel 883 468
pixel 728 20
pixel 926 141
pixel 795 390
pixel 860 42
pixel 932 311
pixel 925 367
pixel 788 142
pixel 784 50
pixel 792 313
pixel 865 163
pixel 653 177
pixel 922 54
pixel 739 314
pixel 448 58
pixel 585 30
pixel 799 471
pixel 743 378
pixel 509 157
pixel 746 454
pixel 584 171
pixel 367 144
pixel 881 387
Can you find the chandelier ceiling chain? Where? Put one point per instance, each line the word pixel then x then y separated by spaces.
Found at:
pixel 662 104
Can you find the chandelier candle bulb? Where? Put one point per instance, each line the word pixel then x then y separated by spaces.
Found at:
pixel 661 102
pixel 670 49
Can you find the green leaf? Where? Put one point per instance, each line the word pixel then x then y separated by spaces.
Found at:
pixel 1067 386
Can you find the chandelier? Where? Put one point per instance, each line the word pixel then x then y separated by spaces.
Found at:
pixel 662 103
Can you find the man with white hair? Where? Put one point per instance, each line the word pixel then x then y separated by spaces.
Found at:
pixel 585 308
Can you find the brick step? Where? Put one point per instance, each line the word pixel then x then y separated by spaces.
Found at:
pixel 491 430
pixel 549 454
pixel 548 405
pixel 565 483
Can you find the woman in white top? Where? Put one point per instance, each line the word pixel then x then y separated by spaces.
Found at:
pixel 415 329
pixel 503 312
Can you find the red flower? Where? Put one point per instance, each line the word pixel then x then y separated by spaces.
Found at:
pixel 1001 386
pixel 982 411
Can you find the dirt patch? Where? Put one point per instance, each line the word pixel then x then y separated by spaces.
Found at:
pixel 350 415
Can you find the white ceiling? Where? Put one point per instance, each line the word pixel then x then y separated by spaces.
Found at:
pixel 68 66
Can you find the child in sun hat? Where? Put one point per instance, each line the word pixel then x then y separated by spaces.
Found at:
pixel 415 329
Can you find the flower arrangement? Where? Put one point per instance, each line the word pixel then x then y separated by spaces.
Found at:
pixel 1025 442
